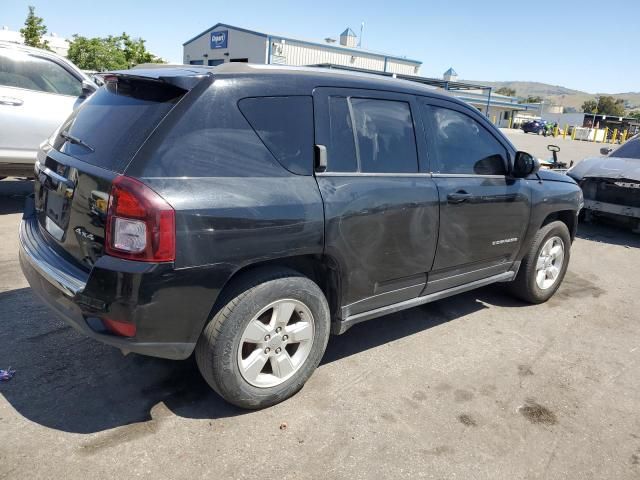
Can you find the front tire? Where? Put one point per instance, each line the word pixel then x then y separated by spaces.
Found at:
pixel 543 268
pixel 265 342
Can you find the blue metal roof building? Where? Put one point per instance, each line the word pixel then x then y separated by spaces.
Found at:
pixel 224 43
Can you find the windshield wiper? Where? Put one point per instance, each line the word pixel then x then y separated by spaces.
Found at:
pixel 70 138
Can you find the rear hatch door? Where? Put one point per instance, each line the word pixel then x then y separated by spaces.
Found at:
pixel 75 169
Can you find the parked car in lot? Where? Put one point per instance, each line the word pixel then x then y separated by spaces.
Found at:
pixel 535 126
pixel 245 212
pixel 38 91
pixel 611 184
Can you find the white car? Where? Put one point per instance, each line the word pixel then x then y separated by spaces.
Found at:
pixel 38 91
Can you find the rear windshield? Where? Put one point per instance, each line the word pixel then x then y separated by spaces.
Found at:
pixel 110 126
pixel 631 149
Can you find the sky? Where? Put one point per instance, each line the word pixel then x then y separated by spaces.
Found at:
pixel 556 42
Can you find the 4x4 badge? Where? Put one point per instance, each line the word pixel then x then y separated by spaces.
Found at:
pixel 84 234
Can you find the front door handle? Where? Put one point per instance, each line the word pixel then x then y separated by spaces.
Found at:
pixel 459 197
pixel 13 102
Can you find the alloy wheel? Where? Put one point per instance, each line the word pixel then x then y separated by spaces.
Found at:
pixel 549 264
pixel 276 343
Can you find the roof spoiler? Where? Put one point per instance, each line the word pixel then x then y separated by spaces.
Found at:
pixel 182 78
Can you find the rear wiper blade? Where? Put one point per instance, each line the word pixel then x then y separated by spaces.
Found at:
pixel 70 138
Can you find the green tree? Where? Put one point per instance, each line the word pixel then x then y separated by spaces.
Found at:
pixel 589 106
pixel 533 99
pixel 34 29
pixel 96 53
pixel 509 92
pixel 635 114
pixel 109 53
pixel 135 51
pixel 607 105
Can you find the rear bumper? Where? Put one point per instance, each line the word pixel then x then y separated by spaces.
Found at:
pixel 82 298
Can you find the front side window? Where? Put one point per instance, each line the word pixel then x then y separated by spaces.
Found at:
pixel 463 146
pixel 21 70
pixel 376 135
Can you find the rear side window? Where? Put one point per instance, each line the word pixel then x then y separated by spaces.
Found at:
pixel 22 70
pixel 377 135
pixel 341 151
pixel 116 120
pixel 285 125
pixel 463 146
pixel 386 140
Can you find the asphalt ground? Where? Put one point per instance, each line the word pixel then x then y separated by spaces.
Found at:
pixel 475 386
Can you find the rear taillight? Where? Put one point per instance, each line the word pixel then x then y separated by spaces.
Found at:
pixel 140 223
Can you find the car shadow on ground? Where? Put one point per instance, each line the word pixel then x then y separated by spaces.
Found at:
pixel 12 195
pixel 611 232
pixel 71 383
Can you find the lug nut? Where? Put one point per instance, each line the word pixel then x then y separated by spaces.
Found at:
pixel 278 330
pixel 267 350
pixel 278 350
pixel 267 338
pixel 285 337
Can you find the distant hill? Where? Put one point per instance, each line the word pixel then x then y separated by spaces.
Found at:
pixel 561 95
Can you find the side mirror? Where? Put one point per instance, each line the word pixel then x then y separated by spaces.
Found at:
pixel 606 150
pixel 553 148
pixel 524 165
pixel 88 89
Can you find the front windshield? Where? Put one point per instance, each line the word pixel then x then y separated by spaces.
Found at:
pixel 631 149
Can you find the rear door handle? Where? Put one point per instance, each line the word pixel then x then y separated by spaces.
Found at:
pixel 459 197
pixel 13 102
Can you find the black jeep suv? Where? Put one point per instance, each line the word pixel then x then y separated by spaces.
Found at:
pixel 246 212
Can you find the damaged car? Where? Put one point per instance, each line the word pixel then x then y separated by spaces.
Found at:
pixel 611 184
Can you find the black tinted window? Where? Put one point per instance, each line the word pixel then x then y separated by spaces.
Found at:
pixel 21 70
pixel 285 125
pixel 386 140
pixel 341 151
pixel 462 145
pixel 116 120
pixel 631 149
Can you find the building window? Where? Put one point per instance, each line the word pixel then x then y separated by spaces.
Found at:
pixel 196 62
pixel 213 63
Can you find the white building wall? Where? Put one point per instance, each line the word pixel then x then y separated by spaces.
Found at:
pixel 295 53
pixel 239 45
pixel 405 68
pixel 290 52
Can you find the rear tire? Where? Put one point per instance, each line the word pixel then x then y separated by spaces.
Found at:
pixel 538 279
pixel 242 352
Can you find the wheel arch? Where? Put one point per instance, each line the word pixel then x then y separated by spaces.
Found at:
pixel 322 269
pixel 568 217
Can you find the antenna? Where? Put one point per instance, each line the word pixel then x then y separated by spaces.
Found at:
pixel 361 32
